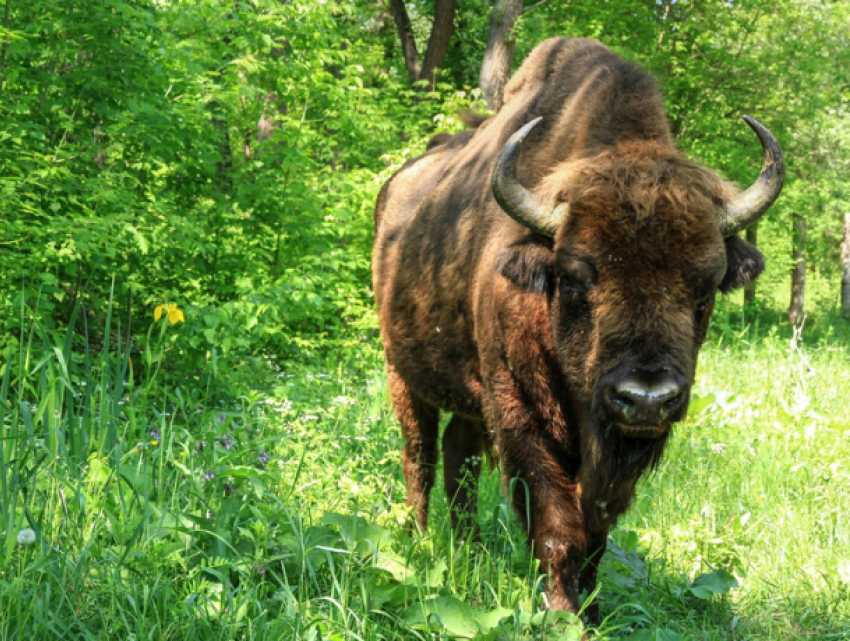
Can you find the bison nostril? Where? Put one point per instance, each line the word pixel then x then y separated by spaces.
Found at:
pixel 623 401
pixel 673 402
pixel 642 400
pixel 622 405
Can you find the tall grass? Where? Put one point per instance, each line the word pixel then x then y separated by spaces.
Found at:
pixel 164 509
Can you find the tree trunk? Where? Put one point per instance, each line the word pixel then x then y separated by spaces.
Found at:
pixel 750 289
pixel 798 277
pixel 845 268
pixel 405 36
pixel 499 55
pixel 438 43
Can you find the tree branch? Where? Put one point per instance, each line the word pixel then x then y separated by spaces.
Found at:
pixel 534 6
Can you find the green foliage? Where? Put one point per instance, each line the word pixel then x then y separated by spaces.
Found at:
pixel 223 157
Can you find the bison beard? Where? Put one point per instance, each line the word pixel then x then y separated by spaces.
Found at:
pixel 557 315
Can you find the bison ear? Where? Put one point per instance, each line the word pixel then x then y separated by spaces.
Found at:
pixel 529 264
pixel 743 264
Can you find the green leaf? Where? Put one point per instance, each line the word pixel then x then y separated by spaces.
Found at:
pixel 699 404
pixel 453 615
pixel 396 566
pixel 553 617
pixel 490 620
pixel 716 582
pixel 141 241
pixel 356 529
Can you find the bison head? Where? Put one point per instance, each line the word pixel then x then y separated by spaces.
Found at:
pixel 633 245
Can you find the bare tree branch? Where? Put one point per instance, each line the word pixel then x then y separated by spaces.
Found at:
pixel 531 7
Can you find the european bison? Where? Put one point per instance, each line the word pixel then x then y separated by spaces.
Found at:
pixel 551 288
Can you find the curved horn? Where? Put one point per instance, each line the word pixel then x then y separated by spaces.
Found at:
pixel 746 208
pixel 519 203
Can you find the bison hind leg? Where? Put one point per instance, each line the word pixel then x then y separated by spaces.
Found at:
pixel 420 426
pixel 464 442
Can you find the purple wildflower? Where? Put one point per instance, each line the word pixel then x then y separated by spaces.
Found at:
pixel 209 476
pixel 156 435
pixel 262 459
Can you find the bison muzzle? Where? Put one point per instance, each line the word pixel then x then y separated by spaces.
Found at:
pixel 548 279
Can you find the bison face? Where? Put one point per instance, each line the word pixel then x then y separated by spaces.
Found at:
pixel 630 303
pixel 643 239
pixel 631 278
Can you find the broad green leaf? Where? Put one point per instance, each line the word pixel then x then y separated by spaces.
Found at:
pixel 699 404
pixel 716 582
pixel 453 615
pixel 356 529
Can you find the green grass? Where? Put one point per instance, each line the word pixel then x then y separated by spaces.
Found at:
pixel 277 511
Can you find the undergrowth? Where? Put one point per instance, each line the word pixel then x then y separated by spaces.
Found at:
pixel 255 500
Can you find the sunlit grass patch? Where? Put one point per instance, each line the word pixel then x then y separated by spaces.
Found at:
pixel 758 483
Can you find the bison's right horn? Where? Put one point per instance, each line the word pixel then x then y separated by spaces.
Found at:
pixel 747 207
pixel 519 203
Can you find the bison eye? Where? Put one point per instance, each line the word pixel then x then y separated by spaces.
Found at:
pixel 576 276
pixel 704 308
pixel 571 290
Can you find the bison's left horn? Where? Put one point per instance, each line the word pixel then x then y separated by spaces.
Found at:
pixel 519 203
pixel 746 208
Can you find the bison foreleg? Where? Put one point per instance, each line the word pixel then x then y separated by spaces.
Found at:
pixel 463 445
pixel 420 428
pixel 545 493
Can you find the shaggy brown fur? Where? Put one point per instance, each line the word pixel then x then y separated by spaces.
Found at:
pixel 522 336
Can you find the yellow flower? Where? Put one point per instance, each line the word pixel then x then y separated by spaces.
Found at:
pixel 174 315
pixel 154 442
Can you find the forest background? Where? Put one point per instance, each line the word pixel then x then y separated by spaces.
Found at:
pixel 216 164
pixel 226 157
